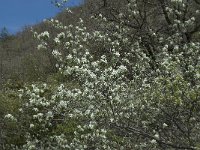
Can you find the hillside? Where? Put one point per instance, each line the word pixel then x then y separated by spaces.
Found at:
pixel 20 59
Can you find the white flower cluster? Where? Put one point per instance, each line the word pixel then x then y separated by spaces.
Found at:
pixel 44 34
pixel 11 117
pixel 179 1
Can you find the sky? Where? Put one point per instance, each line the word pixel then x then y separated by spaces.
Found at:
pixel 15 14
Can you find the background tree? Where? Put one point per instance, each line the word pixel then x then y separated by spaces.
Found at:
pixel 4 33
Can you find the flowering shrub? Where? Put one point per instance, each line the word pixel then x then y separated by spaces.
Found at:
pixel 116 93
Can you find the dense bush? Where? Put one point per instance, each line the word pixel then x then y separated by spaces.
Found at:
pixel 117 88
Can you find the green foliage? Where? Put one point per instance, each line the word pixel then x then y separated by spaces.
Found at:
pixel 10 130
